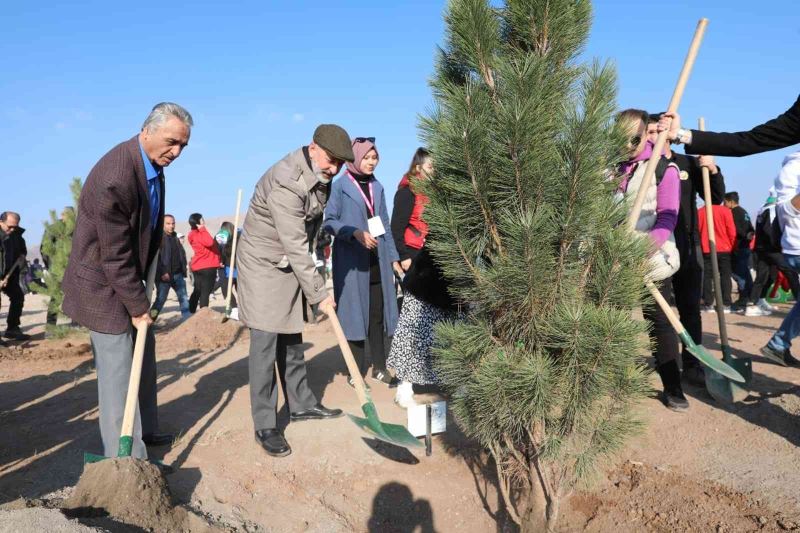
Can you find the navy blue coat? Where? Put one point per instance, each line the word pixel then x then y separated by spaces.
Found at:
pixel 344 214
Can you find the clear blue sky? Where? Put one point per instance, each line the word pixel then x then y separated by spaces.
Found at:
pixel 259 76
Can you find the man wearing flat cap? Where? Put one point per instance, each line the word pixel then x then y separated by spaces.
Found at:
pixel 276 271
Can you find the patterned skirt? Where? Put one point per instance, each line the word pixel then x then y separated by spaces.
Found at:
pixel 410 354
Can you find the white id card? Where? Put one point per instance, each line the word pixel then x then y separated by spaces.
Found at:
pixel 375 227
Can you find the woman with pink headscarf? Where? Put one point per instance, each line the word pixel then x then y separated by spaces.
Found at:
pixel 365 260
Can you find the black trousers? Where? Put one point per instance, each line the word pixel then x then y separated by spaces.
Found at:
pixel 687 286
pixel 16 300
pixel 376 336
pixel 203 285
pixel 724 261
pixel 767 266
pixel 663 339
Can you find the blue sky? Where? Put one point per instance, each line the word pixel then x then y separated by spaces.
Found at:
pixel 259 76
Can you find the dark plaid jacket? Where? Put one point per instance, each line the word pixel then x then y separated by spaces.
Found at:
pixel 113 243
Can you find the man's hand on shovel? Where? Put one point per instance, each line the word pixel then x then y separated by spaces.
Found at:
pixel 142 320
pixel 328 306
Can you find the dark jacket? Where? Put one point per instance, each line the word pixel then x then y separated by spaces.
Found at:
pixel 744 228
pixel 401 214
pixel 113 244
pixel 172 259
pixel 427 283
pixel 14 247
pixel 777 133
pixel 686 233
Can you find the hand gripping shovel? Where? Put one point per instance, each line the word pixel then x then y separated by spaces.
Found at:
pixel 698 351
pixel 722 389
pixel 227 314
pixel 132 399
pixel 371 424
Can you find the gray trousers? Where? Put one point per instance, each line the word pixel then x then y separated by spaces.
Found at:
pixel 113 356
pixel 265 350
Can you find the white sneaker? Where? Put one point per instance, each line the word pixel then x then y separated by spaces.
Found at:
pixel 755 310
pixel 765 305
pixel 404 397
pixel 726 309
pixel 234 313
pixel 709 309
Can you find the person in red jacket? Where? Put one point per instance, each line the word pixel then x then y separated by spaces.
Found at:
pixel 205 262
pixel 408 227
pixel 725 233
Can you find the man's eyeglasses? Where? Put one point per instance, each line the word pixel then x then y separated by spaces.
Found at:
pixel 364 139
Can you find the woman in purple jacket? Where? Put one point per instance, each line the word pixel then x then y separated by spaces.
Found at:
pixel 658 219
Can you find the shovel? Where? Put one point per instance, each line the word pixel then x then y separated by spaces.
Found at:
pixel 227 314
pixel 132 399
pixel 16 265
pixel 722 389
pixel 698 351
pixel 371 424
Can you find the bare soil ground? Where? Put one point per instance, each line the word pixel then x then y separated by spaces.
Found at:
pixel 715 468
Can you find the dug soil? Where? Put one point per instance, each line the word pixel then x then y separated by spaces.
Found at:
pixel 714 468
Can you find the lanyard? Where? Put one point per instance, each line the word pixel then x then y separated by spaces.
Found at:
pixel 371 201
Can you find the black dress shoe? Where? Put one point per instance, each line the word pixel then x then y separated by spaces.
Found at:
pixel 16 334
pixel 318 412
pixel 273 442
pixel 158 439
pixel 674 400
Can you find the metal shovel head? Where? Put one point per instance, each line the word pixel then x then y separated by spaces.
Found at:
pixel 710 361
pixel 724 390
pixel 743 365
pixel 391 433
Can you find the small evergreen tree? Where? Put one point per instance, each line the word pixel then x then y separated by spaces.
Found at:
pixel 547 368
pixel 56 246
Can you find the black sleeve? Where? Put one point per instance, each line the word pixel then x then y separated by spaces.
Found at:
pixel 777 133
pixel 23 246
pixel 401 214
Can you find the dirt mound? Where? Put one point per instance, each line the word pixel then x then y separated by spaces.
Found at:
pixel 47 349
pixel 643 498
pixel 205 331
pixel 36 520
pixel 131 490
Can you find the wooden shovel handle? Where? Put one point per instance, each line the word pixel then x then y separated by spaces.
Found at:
pixel 132 399
pixel 352 366
pixel 233 252
pixel 712 245
pixel 677 95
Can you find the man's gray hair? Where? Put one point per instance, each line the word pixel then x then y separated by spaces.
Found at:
pixel 162 111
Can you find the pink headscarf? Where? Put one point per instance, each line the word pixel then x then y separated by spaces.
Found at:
pixel 360 149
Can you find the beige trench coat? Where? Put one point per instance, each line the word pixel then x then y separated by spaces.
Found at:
pixel 273 259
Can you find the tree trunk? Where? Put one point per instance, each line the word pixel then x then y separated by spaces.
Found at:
pixel 540 516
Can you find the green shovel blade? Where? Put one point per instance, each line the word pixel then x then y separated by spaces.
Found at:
pixel 92 458
pixel 743 365
pixel 724 390
pixel 708 360
pixel 391 433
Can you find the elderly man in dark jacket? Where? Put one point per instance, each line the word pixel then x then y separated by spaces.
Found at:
pixel 14 252
pixel 116 241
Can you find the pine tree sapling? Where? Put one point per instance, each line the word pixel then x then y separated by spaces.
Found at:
pixel 547 369
pixel 55 249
